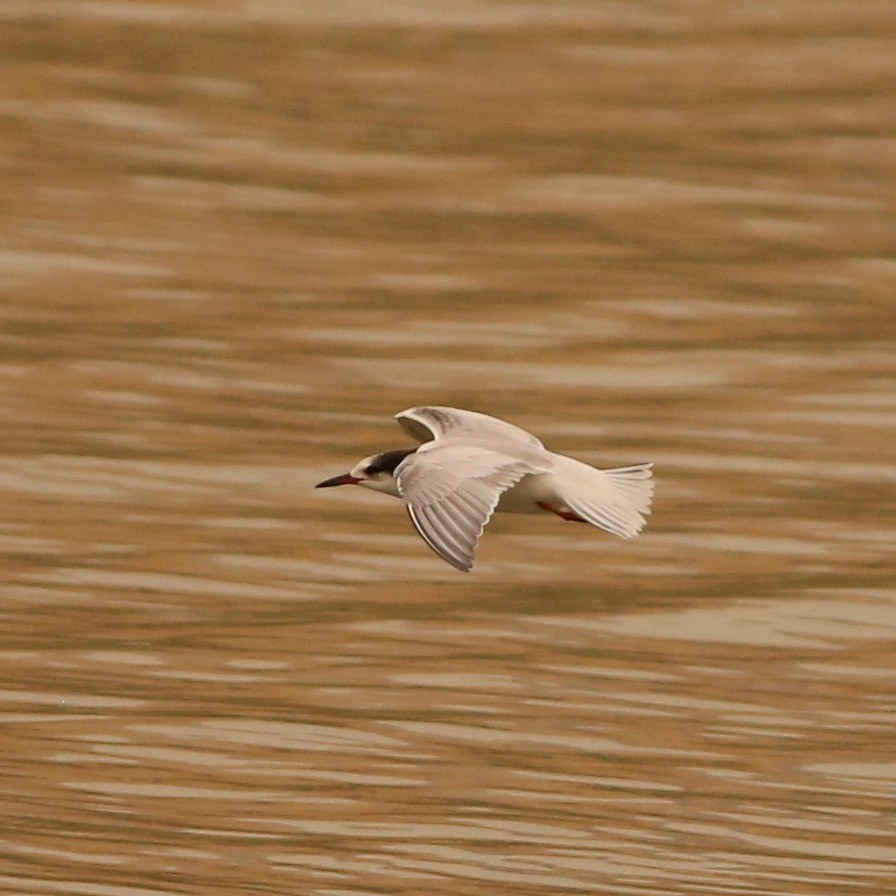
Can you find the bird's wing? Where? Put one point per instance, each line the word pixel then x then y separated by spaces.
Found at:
pixel 452 491
pixel 427 424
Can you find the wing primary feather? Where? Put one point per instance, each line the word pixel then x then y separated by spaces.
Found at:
pixel 450 558
pixel 455 515
pixel 444 531
pixel 434 529
pixel 476 506
pixel 453 529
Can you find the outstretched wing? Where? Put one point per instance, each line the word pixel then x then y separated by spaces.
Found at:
pixel 427 424
pixel 452 491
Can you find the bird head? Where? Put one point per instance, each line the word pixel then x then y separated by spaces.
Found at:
pixel 376 472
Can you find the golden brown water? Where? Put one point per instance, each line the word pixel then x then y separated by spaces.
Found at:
pixel 237 237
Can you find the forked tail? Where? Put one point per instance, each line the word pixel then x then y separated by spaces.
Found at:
pixel 622 502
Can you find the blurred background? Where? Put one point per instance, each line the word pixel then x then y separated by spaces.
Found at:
pixel 236 237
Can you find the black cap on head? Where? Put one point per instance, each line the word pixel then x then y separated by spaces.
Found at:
pixel 388 461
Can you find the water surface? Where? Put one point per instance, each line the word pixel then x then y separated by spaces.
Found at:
pixel 236 241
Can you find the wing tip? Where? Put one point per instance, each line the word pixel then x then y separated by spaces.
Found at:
pixel 413 422
pixel 462 564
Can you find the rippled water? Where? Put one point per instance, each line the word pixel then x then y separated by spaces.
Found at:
pixel 236 239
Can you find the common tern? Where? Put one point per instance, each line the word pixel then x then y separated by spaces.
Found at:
pixel 468 465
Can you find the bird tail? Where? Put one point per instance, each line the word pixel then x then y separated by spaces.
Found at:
pixel 622 502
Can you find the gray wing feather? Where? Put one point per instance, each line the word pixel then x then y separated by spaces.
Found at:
pixel 452 491
pixel 450 540
pixel 427 424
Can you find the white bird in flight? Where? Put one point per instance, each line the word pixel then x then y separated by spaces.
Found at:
pixel 469 465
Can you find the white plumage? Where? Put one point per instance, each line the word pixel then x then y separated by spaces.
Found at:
pixel 469 465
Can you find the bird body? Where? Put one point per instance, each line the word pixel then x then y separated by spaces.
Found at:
pixel 470 465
